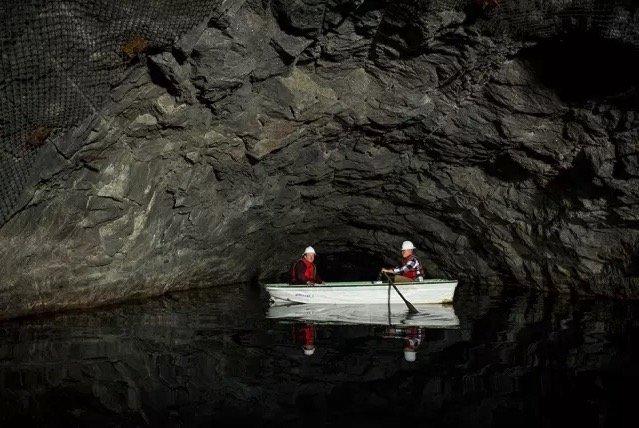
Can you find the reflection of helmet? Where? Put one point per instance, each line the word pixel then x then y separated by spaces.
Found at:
pixel 410 355
pixel 407 245
pixel 309 350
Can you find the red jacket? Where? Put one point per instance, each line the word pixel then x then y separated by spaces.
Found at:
pixel 305 271
pixel 304 334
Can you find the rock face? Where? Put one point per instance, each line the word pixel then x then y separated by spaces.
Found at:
pixel 350 126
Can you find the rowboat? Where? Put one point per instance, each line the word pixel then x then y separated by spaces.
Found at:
pixel 365 292
pixel 430 316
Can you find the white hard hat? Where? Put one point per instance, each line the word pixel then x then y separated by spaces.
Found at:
pixel 407 245
pixel 309 351
pixel 309 250
pixel 410 355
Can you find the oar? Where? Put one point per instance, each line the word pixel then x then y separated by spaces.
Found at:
pixel 389 308
pixel 411 308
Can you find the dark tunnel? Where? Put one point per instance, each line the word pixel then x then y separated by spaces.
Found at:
pixel 584 67
pixel 357 264
pixel 352 266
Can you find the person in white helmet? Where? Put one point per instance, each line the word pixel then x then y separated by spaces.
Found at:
pixel 410 269
pixel 410 355
pixel 412 336
pixel 412 340
pixel 304 270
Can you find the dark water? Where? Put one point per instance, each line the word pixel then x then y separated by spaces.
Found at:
pixel 209 357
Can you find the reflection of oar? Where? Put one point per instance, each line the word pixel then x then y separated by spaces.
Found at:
pixel 389 308
pixel 379 278
pixel 411 308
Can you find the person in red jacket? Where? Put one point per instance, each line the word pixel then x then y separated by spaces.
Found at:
pixel 304 270
pixel 304 334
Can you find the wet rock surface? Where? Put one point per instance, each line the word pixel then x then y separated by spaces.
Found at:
pixel 350 126
pixel 210 356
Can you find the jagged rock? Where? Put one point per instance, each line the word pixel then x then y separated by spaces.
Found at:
pixel 175 75
pixel 350 126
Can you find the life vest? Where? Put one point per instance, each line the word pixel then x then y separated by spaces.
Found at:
pixel 412 273
pixel 310 274
pixel 304 334
pixel 414 337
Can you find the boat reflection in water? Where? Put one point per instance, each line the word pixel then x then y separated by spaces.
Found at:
pixel 396 321
pixel 212 358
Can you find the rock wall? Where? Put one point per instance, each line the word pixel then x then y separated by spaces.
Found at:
pixel 350 126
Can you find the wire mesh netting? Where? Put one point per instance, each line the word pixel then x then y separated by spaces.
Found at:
pixel 60 59
pixel 613 19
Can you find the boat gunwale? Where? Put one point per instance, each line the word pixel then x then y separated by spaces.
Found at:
pixel 361 284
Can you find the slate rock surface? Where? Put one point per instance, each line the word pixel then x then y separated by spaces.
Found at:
pixel 350 126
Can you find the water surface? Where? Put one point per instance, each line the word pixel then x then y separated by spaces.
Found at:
pixel 212 356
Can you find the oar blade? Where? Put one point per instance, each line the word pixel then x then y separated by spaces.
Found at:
pixel 411 309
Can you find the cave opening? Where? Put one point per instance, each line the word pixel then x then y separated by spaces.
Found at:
pixel 353 265
pixel 357 264
pixel 583 68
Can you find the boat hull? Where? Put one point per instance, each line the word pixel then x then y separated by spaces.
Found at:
pixel 423 292
pixel 431 316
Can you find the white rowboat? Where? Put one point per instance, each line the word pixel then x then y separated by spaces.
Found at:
pixel 431 316
pixel 365 292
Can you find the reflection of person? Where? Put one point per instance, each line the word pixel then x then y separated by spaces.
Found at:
pixel 410 270
pixel 308 350
pixel 304 270
pixel 304 334
pixel 413 337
